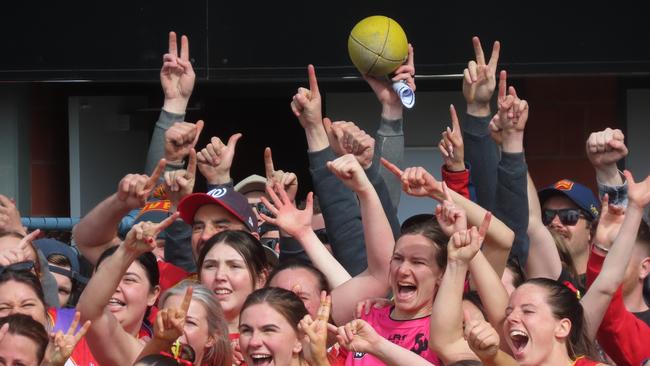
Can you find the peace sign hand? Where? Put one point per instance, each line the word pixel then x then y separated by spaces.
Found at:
pixel 287 180
pixel 134 189
pixel 61 345
pixel 479 78
pixel 177 75
pixel 180 183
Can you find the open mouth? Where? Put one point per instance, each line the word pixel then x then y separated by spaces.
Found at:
pixel 519 341
pixel 405 290
pixel 261 359
pixel 222 291
pixel 114 303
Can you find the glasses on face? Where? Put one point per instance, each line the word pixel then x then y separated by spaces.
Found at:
pixel 270 242
pixel 322 235
pixel 567 216
pixel 20 266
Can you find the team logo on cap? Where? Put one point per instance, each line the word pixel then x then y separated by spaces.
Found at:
pixel 218 192
pixel 564 185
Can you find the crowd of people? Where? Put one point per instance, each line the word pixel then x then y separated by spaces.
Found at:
pixel 498 273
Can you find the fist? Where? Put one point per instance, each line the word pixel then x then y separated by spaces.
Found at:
pixel 606 147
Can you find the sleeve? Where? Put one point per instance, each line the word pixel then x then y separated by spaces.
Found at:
pixel 382 190
pixel 621 335
pixel 341 213
pixel 483 155
pixel 617 194
pixel 456 181
pixel 157 144
pixel 389 144
pixel 511 201
pixel 290 248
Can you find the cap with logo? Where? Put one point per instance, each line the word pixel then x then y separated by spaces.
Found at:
pixel 579 194
pixel 232 201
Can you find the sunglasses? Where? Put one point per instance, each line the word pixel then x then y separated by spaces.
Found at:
pixel 262 209
pixel 568 216
pixel 18 267
pixel 270 242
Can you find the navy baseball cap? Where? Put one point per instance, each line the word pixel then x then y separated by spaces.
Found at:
pixel 50 247
pixel 234 202
pixel 579 194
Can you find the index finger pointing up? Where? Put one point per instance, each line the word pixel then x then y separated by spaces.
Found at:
pixel 187 299
pixel 173 47
pixel 478 51
pixel 313 83
pixel 268 163
pixel 455 125
pixel 502 84
pixel 160 168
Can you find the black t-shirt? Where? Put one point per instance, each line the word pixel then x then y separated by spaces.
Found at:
pixel 644 316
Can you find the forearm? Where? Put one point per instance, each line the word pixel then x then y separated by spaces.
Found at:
pixel 157 145
pixel 389 144
pixel 619 255
pixel 316 137
pixel 394 355
pixel 446 324
pixel 377 233
pixel 547 263
pixel 97 231
pixel 617 193
pixel 322 259
pixel 103 283
pixel 491 291
pixel 387 205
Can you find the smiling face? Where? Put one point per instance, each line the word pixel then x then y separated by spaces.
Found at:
pixel 132 297
pixel 414 276
pixel 196 326
pixel 225 272
pixel 19 298
pixel 531 330
pixel 266 337
pixel 18 350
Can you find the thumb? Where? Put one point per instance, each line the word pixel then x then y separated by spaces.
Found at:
pixel 327 124
pixel 199 127
pixel 232 141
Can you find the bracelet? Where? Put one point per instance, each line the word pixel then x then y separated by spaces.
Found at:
pixel 600 247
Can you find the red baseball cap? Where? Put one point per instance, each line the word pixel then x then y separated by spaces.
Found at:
pixel 228 198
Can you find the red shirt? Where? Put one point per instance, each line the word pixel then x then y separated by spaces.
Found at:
pixel 624 337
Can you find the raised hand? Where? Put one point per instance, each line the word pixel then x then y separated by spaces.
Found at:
pixel 288 180
pixel 315 340
pixel 463 245
pixel 451 218
pixel 350 172
pixel 134 189
pixel 142 236
pixel 180 138
pixel 215 160
pixel 391 104
pixel 180 183
pixel 291 220
pixel 510 121
pixel 306 104
pixel 10 216
pixel 177 75
pixel 609 222
pixel 481 337
pixel 170 322
pixel 479 79
pixel 416 181
pixel 21 253
pixel 61 344
pixel 347 138
pixel 604 149
pixel 638 194
pixel 358 336
pixel 451 145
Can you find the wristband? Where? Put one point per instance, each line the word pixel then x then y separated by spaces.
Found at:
pixel 176 165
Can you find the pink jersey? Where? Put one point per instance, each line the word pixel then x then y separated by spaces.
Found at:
pixel 410 334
